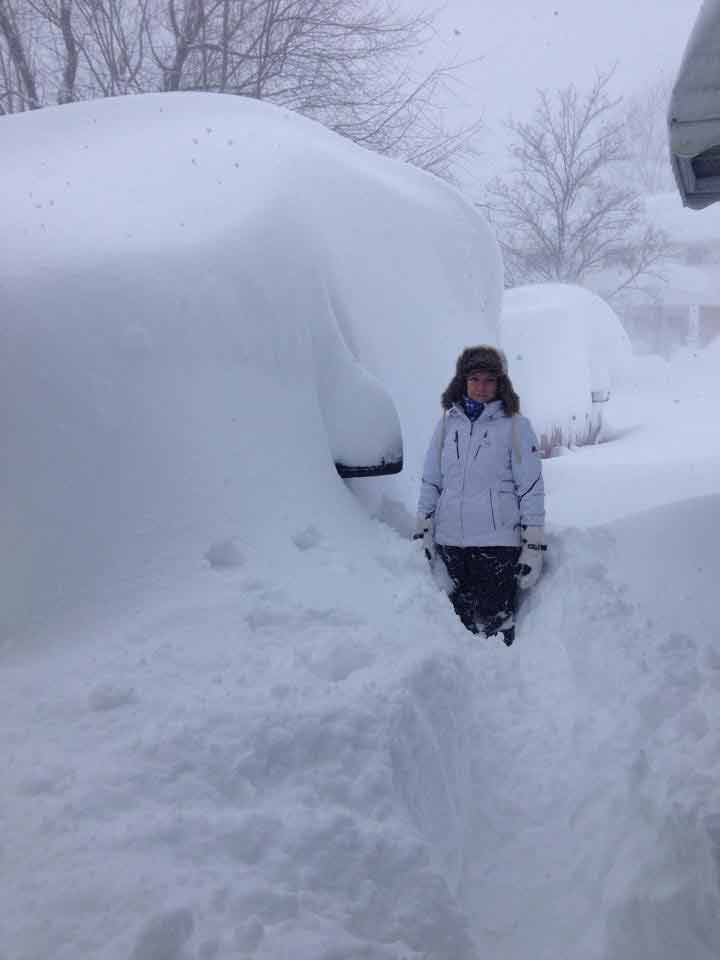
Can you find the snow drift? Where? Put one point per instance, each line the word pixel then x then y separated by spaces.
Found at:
pixel 566 349
pixel 616 773
pixel 204 304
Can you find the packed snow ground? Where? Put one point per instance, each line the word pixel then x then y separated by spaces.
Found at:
pixel 665 443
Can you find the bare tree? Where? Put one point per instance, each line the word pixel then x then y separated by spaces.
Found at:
pixel 565 212
pixel 21 88
pixel 58 36
pixel 647 138
pixel 114 44
pixel 10 83
pixel 342 62
pixel 346 63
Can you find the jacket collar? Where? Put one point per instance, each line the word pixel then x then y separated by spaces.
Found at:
pixel 493 411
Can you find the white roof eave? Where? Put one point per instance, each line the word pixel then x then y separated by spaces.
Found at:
pixel 694 116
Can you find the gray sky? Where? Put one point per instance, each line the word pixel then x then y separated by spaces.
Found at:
pixel 530 44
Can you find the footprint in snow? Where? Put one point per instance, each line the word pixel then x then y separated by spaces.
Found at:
pixel 224 555
pixel 108 696
pixel 164 936
pixel 308 538
pixel 249 935
pixel 340 662
pixel 298 618
pixel 268 616
pixel 330 617
pixel 54 780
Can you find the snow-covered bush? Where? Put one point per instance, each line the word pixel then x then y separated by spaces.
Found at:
pixel 566 349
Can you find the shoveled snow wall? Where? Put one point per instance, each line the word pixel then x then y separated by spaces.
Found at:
pixel 205 302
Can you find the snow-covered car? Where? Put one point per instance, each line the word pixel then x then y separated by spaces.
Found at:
pixel 565 346
pixel 207 302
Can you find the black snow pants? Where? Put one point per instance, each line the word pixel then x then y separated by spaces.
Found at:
pixel 484 586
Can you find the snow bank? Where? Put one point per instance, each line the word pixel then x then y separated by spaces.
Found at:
pixel 664 888
pixel 600 741
pixel 566 349
pixel 207 301
pixel 270 766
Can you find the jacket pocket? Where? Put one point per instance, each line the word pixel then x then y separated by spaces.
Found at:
pixel 449 458
pixel 508 512
pixel 479 516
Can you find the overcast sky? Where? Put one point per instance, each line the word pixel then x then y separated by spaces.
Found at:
pixel 530 44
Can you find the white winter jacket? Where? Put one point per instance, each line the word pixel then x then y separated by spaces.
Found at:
pixel 485 481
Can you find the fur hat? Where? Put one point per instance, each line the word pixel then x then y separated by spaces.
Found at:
pixel 489 360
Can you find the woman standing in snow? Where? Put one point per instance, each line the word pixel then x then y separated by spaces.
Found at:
pixel 482 499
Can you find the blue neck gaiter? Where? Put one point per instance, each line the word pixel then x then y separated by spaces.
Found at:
pixel 473 408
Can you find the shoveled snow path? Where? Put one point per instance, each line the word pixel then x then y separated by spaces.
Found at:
pixel 595 823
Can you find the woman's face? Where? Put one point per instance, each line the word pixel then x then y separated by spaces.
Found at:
pixel 482 387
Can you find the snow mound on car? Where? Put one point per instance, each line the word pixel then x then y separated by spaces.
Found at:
pixel 207 301
pixel 566 350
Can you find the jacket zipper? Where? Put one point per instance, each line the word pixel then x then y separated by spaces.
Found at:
pixel 462 492
pixel 480 445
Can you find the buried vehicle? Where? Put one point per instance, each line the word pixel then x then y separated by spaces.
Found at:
pixel 206 307
pixel 565 347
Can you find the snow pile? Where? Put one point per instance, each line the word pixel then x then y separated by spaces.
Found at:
pixel 275 764
pixel 566 348
pixel 598 754
pixel 206 302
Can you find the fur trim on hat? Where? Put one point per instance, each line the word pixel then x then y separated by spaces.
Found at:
pixel 490 360
pixel 483 358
